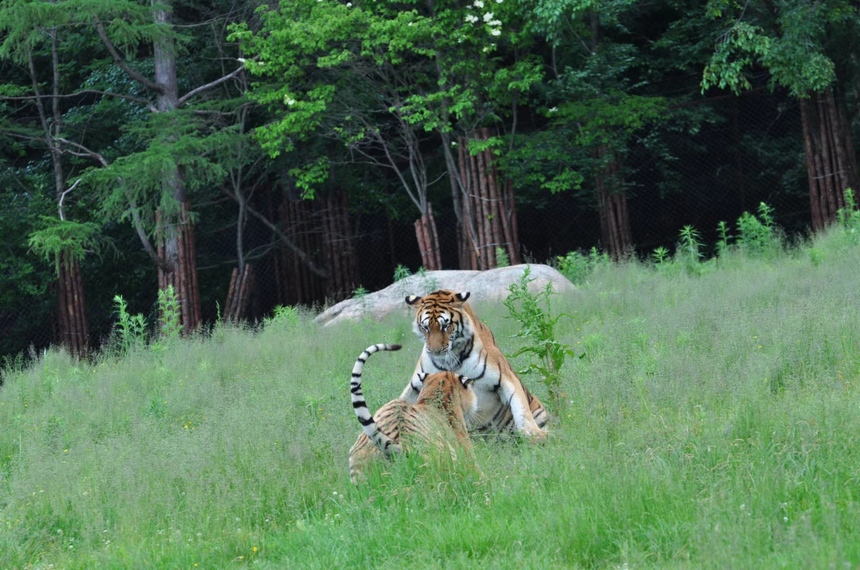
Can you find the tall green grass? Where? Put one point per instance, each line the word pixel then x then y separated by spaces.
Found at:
pixel 712 422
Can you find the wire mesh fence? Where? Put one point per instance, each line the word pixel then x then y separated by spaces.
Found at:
pixel 754 153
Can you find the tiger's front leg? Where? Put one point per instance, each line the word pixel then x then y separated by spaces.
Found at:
pixel 521 411
pixel 410 393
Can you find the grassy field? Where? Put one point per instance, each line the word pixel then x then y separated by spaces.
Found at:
pixel 711 420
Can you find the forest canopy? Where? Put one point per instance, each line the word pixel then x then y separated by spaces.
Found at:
pixel 243 156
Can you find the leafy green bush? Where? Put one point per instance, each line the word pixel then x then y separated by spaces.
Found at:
pixel 130 329
pixel 757 235
pixel 283 316
pixel 170 314
pixel 690 249
pixel 577 266
pixel 502 258
pixel 538 330
pixel 849 216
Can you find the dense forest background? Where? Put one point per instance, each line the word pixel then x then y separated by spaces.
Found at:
pixel 246 156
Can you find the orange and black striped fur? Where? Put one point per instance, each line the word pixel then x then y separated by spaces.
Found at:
pixel 455 340
pixel 438 417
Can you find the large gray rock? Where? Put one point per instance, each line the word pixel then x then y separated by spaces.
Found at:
pixel 485 286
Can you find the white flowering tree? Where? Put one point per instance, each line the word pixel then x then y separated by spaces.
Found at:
pixel 391 85
pixel 482 78
pixel 343 73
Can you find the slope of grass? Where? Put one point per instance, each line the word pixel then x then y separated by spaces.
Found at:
pixel 711 421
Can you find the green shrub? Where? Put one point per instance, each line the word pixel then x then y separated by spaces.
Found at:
pixel 577 266
pixel 538 330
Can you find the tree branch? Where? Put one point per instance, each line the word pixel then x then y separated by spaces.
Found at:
pixel 63 197
pixel 304 257
pixel 135 216
pixel 151 85
pixel 80 93
pixel 209 85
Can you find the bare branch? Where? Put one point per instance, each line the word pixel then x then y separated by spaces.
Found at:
pixel 209 85
pixel 63 197
pixel 300 253
pixel 83 151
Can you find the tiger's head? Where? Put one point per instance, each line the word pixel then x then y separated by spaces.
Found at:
pixel 441 322
pixel 451 393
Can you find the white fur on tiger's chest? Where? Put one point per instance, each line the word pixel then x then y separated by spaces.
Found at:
pixel 474 366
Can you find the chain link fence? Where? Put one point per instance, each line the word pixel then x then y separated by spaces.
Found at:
pixel 751 152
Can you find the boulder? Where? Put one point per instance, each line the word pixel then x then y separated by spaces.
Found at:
pixel 485 286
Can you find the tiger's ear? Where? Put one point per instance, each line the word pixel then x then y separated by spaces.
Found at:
pixel 462 296
pixel 465 380
pixel 412 299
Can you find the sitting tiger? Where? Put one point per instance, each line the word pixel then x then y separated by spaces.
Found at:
pixel 438 418
pixel 455 340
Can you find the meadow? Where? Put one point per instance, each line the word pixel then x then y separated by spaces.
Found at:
pixel 710 419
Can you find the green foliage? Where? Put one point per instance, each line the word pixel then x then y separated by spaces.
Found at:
pixel 140 175
pixel 64 236
pixel 502 259
pixel 723 238
pixel 789 40
pixel 283 317
pixel 376 78
pixel 401 272
pixel 538 330
pixel 661 257
pixel 170 315
pixel 849 216
pixel 130 329
pixel 689 248
pixel 310 176
pixel 757 235
pixel 577 266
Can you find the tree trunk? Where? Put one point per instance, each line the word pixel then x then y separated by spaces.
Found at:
pixel 296 283
pixel 73 330
pixel 612 206
pixel 239 293
pixel 320 227
pixel 428 241
pixel 830 161
pixel 71 306
pixel 176 245
pixel 340 253
pixel 175 228
pixel 488 209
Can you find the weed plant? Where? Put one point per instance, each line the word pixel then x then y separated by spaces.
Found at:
pixel 170 314
pixel 130 330
pixel 537 329
pixel 577 266
pixel 712 422
pixel 502 258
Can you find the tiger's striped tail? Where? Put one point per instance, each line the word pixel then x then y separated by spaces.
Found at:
pixel 385 444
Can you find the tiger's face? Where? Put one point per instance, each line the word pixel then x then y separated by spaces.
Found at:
pixel 440 320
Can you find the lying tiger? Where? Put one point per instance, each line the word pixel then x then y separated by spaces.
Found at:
pixel 438 418
pixel 455 340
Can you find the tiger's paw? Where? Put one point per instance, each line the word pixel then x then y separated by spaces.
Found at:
pixel 535 434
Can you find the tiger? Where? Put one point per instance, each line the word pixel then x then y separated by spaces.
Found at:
pixel 438 417
pixel 455 340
